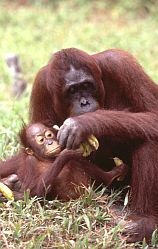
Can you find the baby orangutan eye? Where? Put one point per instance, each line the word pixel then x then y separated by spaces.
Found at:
pixel 39 139
pixel 49 134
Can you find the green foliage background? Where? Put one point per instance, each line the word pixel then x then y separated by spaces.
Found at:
pixel 36 29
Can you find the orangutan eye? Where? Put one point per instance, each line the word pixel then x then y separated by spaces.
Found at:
pixel 40 139
pixel 49 134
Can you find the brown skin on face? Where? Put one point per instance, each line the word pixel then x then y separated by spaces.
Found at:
pixel 43 142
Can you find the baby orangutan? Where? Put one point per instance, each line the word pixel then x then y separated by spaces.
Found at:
pixel 46 170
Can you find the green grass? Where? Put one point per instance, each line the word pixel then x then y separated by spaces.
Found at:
pixel 35 30
pixel 85 223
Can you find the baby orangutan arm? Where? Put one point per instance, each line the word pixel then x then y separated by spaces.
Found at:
pixel 46 180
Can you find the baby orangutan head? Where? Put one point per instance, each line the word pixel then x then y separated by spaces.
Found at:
pixel 40 141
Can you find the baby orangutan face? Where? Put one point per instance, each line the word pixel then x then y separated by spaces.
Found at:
pixel 42 140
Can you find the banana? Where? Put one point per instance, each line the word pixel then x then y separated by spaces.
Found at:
pixel 93 141
pixel 91 145
pixel 117 161
pixel 6 192
pixel 86 149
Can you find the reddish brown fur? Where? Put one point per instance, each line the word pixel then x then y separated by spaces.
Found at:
pixel 67 181
pixel 127 122
pixel 31 170
pixel 62 177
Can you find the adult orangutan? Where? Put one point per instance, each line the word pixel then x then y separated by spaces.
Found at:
pixel 109 95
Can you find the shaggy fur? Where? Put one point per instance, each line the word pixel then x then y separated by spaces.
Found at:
pixel 126 123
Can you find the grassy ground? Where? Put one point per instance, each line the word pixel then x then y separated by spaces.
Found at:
pixel 34 30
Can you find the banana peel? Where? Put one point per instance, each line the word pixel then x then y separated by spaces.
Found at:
pixel 6 192
pixel 89 146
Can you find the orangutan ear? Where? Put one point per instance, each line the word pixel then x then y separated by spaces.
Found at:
pixel 29 151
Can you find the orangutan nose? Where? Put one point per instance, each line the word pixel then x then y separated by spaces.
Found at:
pixel 84 101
